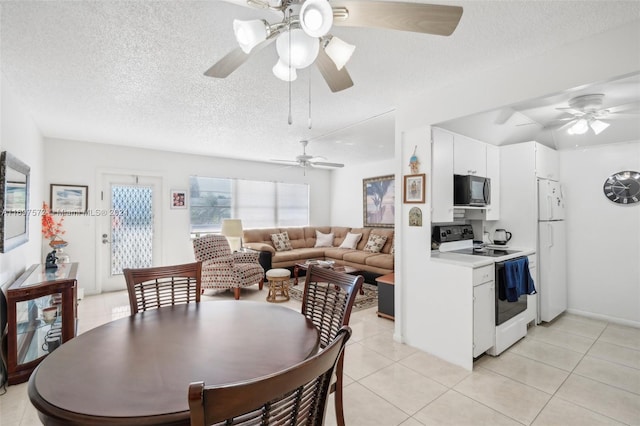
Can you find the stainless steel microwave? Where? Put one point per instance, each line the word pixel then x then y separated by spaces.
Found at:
pixel 470 190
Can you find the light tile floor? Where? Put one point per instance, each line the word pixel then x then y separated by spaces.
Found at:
pixel 574 371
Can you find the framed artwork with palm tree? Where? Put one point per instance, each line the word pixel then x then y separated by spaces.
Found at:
pixel 379 201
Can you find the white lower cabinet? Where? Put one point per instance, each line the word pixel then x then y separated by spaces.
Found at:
pixel 484 323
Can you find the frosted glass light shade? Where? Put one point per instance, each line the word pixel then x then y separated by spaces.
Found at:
pixel 598 126
pixel 281 70
pixel 304 49
pixel 249 33
pixel 580 128
pixel 339 51
pixel 316 17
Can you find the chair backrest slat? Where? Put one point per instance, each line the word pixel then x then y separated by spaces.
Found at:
pixel 328 300
pixel 295 396
pixel 151 288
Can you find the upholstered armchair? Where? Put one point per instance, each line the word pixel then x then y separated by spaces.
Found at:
pixel 222 269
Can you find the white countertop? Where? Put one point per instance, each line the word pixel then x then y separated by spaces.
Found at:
pixel 476 261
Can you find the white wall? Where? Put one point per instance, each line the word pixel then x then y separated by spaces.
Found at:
pixel 81 163
pixel 603 238
pixel 20 137
pixel 346 191
pixel 617 52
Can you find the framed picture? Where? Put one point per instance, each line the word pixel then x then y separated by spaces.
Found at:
pixel 68 199
pixel 178 198
pixel 414 188
pixel 378 201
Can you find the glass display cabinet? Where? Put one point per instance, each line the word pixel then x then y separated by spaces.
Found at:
pixel 41 315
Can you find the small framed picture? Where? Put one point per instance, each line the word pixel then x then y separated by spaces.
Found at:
pixel 68 199
pixel 178 198
pixel 414 188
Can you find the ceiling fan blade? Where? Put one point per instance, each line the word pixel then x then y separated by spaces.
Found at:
pixel 336 79
pixel 325 164
pixel 630 108
pixel 414 17
pixel 294 162
pixel 232 60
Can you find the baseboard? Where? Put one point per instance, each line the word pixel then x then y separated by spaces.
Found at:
pixel 614 320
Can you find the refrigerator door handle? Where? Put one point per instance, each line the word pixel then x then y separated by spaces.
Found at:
pixel 550 206
pixel 550 235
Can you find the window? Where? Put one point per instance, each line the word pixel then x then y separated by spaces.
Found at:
pixel 259 204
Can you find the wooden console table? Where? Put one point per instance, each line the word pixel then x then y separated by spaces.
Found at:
pixel 38 290
pixel 386 299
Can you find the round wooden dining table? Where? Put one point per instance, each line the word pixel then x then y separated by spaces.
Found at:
pixel 136 370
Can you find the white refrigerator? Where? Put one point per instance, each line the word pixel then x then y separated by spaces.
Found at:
pixel 552 255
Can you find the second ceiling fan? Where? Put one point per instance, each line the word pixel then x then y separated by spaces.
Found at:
pixel 302 36
pixel 306 160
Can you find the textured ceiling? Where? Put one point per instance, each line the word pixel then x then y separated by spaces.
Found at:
pixel 131 73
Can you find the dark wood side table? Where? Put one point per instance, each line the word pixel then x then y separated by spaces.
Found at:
pixel 386 288
pixel 41 307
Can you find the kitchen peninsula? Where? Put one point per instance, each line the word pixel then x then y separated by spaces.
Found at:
pixel 465 325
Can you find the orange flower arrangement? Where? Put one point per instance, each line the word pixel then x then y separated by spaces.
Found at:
pixel 50 228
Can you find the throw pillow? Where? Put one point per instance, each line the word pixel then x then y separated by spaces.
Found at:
pixel 375 243
pixel 324 240
pixel 351 241
pixel 393 247
pixel 281 241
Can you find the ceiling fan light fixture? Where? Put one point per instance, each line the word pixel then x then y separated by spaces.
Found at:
pixel 304 48
pixel 579 128
pixel 281 70
pixel 316 17
pixel 339 51
pixel 250 33
pixel 598 126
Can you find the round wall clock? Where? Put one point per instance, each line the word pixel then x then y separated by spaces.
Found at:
pixel 623 187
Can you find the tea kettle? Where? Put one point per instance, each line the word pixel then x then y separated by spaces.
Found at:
pixel 501 237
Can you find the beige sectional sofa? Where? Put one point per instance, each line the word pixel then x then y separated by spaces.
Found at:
pixel 303 246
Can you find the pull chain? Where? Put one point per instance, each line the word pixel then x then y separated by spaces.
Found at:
pixel 309 98
pixel 290 118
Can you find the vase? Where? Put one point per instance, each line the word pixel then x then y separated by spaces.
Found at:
pixel 61 255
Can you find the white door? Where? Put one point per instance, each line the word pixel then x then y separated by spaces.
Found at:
pixel 550 200
pixel 552 271
pixel 130 228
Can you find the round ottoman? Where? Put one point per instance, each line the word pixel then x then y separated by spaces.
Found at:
pixel 278 285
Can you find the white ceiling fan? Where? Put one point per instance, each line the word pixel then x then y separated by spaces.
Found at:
pixel 305 160
pixel 302 36
pixel 585 112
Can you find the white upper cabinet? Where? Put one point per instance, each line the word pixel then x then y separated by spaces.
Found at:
pixel 442 176
pixel 547 163
pixel 456 154
pixel 493 173
pixel 470 156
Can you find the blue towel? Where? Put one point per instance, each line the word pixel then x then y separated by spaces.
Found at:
pixel 518 280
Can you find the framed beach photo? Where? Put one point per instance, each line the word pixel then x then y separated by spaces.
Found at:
pixel 414 188
pixel 68 199
pixel 178 198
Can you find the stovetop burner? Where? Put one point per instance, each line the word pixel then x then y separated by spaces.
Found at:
pixel 485 252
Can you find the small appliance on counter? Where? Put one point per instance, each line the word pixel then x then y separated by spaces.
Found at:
pixel 501 237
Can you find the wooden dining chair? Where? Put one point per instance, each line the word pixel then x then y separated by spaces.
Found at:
pixel 327 301
pixel 295 396
pixel 151 288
